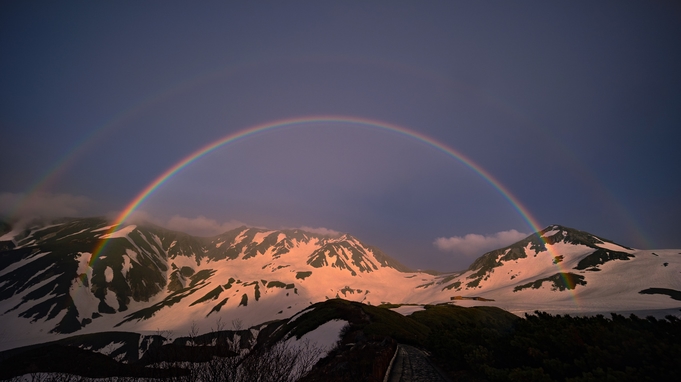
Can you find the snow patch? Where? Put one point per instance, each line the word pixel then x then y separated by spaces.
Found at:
pixel 406 310
pixel 39 273
pixel 83 259
pixel 127 264
pixel 614 247
pixel 103 228
pixel 73 234
pixel 9 235
pixel 22 262
pixel 132 255
pixel 86 303
pixel 324 338
pixel 297 315
pixel 551 233
pixel 123 232
pixel 241 237
pixel 260 236
pixel 111 300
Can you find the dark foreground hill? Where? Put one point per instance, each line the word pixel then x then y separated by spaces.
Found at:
pixel 473 344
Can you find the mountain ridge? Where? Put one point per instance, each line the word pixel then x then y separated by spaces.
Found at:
pixel 148 277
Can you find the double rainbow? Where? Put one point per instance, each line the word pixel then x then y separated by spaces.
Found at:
pixel 163 177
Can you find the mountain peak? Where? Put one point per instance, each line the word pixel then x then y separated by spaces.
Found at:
pixel 148 277
pixel 560 234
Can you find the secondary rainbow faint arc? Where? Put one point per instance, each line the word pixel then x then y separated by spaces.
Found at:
pixel 149 189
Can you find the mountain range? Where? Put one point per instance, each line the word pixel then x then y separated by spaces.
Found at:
pixel 149 279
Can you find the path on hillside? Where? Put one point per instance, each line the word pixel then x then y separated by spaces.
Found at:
pixel 413 365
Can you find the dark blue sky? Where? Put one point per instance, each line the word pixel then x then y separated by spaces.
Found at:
pixel 574 107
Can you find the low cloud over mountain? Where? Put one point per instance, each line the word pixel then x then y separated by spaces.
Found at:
pixel 474 244
pixel 322 231
pixel 43 205
pixel 201 225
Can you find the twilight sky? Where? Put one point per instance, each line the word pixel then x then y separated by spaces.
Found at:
pixel 574 108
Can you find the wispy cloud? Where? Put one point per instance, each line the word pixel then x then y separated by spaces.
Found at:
pixel 203 226
pixel 322 231
pixel 199 226
pixel 42 205
pixel 138 217
pixel 475 245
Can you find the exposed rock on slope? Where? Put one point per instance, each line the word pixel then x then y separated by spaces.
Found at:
pixel 150 278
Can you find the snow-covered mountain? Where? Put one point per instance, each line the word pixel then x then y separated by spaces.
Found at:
pixel 563 270
pixel 149 278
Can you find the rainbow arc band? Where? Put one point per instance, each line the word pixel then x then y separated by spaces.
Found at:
pixel 310 120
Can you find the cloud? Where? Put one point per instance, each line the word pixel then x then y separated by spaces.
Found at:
pixel 42 205
pixel 201 225
pixel 198 226
pixel 138 217
pixel 321 231
pixel 475 245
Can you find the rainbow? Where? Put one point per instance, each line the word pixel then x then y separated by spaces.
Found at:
pixel 59 166
pixel 162 178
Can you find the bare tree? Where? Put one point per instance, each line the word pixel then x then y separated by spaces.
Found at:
pixel 281 362
pixel 237 324
pixel 285 361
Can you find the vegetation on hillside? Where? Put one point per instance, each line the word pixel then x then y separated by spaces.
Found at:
pixel 469 344
pixel 543 347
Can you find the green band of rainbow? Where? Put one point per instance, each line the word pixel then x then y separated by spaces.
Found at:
pixel 149 189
